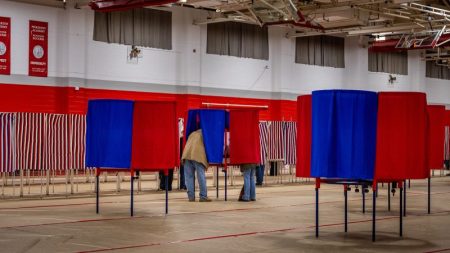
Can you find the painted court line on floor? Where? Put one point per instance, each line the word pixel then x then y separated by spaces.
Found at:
pixel 237 235
pixel 118 202
pixel 183 213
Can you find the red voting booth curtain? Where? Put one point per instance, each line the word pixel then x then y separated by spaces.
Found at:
pixel 244 137
pixel 155 136
pixel 436 135
pixel 401 136
pixel 304 124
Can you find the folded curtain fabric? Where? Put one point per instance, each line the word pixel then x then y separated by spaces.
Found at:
pixel 244 137
pixel 289 142
pixel 343 134
pixel 304 124
pixel 436 135
pixel 263 139
pixel 275 148
pixel 155 136
pixel 7 141
pixel 401 136
pixel 447 117
pixel 30 143
pixel 109 133
pixel 213 123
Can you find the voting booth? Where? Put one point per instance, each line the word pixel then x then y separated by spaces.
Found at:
pixel 132 136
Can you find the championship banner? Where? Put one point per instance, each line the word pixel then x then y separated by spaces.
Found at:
pixel 37 54
pixel 5 42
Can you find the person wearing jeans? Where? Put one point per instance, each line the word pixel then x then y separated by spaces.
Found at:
pixel 194 160
pixel 190 168
pixel 248 171
pixel 259 174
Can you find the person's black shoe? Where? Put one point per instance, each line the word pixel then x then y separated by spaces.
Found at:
pixel 244 200
pixel 253 200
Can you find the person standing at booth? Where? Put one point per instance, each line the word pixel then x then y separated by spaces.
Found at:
pixel 249 191
pixel 194 160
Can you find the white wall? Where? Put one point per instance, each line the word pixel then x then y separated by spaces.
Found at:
pixel 75 56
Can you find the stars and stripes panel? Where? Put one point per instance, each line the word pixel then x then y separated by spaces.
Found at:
pixel 275 141
pixel 289 142
pixel 57 140
pixel 38 141
pixel 30 140
pixel 7 149
pixel 77 130
pixel 263 139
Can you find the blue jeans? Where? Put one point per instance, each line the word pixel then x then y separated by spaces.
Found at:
pixel 189 169
pixel 249 184
pixel 259 174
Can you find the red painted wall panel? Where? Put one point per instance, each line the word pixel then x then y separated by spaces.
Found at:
pixel 51 99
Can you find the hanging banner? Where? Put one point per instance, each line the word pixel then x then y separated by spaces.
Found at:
pixel 5 42
pixel 37 54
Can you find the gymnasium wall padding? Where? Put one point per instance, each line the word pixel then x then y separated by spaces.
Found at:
pixel 109 133
pixel 401 136
pixel 344 134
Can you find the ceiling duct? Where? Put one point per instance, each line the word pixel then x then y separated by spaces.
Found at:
pixel 120 5
pixel 391 45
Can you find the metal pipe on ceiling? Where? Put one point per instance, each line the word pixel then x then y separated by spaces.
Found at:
pixel 121 5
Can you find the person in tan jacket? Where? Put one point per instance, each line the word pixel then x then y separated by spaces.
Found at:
pixel 194 160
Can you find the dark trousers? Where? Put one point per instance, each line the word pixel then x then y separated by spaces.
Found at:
pixel 182 183
pixel 162 180
pixel 273 168
pixel 259 174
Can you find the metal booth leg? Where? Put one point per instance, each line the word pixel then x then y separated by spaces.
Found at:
pixel 345 208
pixel 429 195
pixel 167 193
pixel 217 182
pixel 317 212
pixel 389 196
pixel 226 185
pixel 374 208
pixel 364 199
pixel 97 193
pixel 404 198
pixel 401 210
pixel 132 194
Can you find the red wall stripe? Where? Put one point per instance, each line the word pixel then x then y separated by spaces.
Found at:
pixel 51 99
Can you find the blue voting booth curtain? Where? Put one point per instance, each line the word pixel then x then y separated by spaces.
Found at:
pixel 109 126
pixel 344 126
pixel 213 123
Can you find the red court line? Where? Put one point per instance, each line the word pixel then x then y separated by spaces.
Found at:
pixel 113 202
pixel 149 216
pixel 71 222
pixel 183 213
pixel 413 193
pixel 244 234
pixel 438 250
